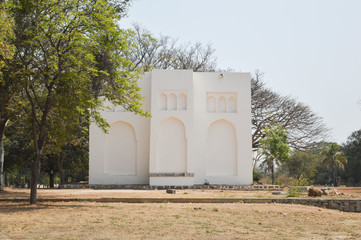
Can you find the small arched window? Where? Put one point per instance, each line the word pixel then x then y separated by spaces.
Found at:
pixel 172 102
pixel 222 104
pixel 211 104
pixel 163 102
pixel 232 104
pixel 182 102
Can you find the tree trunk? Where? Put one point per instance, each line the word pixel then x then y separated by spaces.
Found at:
pixel 273 174
pixel 2 164
pixel 35 172
pixel 6 177
pixel 51 178
pixel 2 153
pixel 39 139
pixel 60 166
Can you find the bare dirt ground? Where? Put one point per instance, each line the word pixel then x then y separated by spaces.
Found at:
pixel 89 220
pixel 349 192
pixel 353 191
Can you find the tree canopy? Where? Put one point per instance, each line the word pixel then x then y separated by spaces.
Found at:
pixel 334 159
pixel 352 150
pixel 60 47
pixel 164 52
pixel 274 147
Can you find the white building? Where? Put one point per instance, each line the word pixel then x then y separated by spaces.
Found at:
pixel 199 132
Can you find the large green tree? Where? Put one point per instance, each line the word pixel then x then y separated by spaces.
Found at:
pixel 334 159
pixel 352 150
pixel 8 89
pixel 274 148
pixel 59 48
pixel 302 163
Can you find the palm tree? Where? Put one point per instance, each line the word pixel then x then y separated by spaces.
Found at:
pixel 334 158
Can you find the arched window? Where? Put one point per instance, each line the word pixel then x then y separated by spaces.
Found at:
pixel 172 102
pixel 182 102
pixel 211 104
pixel 232 104
pixel 222 104
pixel 163 102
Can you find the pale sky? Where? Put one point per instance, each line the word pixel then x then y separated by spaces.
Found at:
pixel 309 49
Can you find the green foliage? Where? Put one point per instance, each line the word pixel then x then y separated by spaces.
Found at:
pixel 301 181
pixel 302 163
pixel 294 190
pixel 70 57
pixel 334 159
pixel 274 147
pixel 256 176
pixel 66 51
pixel 18 177
pixel 274 144
pixel 19 151
pixel 6 49
pixel 284 179
pixel 352 150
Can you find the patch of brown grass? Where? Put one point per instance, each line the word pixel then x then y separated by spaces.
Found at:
pixel 124 193
pixel 174 221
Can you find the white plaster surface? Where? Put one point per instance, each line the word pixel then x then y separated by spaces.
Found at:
pixel 201 124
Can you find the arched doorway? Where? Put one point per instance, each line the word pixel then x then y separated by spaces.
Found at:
pixel 120 150
pixel 171 147
pixel 221 149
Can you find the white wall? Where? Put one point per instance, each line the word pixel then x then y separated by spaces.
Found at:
pixel 200 126
pixel 229 101
pixel 128 133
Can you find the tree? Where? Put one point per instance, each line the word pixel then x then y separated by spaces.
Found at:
pixel 302 163
pixel 334 159
pixel 274 147
pixel 57 46
pixel 18 153
pixel 302 125
pixel 352 150
pixel 6 48
pixel 166 53
pixel 8 89
pixel 67 147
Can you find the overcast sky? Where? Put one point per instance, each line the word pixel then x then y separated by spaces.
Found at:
pixel 309 49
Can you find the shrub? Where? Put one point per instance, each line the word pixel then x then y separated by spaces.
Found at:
pixel 256 176
pixel 284 180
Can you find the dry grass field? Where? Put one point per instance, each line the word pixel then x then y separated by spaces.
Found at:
pixel 74 220
pixel 123 193
pixel 9 193
pixel 92 220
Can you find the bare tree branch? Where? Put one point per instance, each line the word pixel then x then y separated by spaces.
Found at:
pixel 302 125
pixel 165 53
